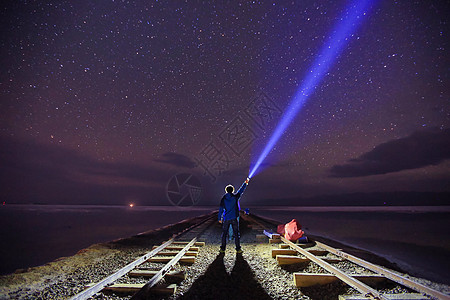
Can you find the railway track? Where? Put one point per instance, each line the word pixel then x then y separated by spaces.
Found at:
pixel 181 248
pixel 329 259
pixel 165 271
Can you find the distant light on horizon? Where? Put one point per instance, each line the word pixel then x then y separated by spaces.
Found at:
pixel 341 34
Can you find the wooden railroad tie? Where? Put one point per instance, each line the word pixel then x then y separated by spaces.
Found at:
pixel 177 276
pixel 255 227
pixel 412 296
pixel 178 248
pixel 261 238
pixel 165 259
pixel 318 252
pixel 130 288
pixel 173 253
pixel 291 259
pixel 199 244
pixel 286 246
pixel 311 279
pixel 276 252
pixel 274 238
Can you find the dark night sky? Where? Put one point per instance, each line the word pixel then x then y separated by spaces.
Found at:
pixel 102 102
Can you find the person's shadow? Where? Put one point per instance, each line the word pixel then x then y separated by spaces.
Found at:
pixel 216 283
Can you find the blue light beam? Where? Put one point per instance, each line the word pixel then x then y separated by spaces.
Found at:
pixel 340 36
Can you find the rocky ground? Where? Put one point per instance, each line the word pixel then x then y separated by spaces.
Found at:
pixel 252 275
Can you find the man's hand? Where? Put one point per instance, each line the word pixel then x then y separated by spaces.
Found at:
pixel 220 221
pixel 247 180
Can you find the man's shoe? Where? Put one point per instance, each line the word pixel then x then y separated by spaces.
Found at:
pixel 239 251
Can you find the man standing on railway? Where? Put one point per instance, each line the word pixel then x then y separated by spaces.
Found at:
pixel 229 213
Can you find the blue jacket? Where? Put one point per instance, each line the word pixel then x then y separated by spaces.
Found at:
pixel 229 205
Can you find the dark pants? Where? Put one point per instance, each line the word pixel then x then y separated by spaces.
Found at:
pixel 235 225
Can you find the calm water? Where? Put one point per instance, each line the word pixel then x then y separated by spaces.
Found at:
pixel 32 235
pixel 416 238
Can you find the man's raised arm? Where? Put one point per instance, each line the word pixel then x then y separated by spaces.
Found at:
pixel 243 186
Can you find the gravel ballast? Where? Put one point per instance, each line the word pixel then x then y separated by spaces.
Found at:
pixel 254 274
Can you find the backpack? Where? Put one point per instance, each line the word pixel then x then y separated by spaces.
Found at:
pixel 292 230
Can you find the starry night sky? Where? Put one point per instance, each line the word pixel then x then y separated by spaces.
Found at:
pixel 102 102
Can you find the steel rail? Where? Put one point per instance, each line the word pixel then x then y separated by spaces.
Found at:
pixel 158 276
pixel 256 221
pixel 366 290
pixel 91 291
pixel 386 273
